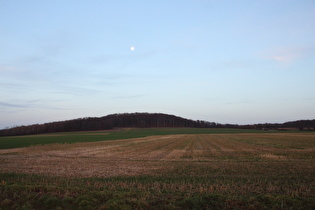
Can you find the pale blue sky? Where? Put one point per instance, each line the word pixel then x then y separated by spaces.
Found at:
pixel 238 61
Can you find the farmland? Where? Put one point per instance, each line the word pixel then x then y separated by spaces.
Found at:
pixel 164 168
pixel 123 133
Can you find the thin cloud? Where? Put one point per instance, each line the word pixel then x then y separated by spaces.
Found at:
pixel 282 58
pixel 127 97
pixel 31 104
pixel 286 55
pixel 104 59
pixel 5 68
pixel 289 55
pixel 10 105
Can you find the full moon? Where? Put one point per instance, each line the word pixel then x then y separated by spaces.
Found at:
pixel 132 48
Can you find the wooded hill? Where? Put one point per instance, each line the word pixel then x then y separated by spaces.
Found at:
pixel 143 120
pixel 306 125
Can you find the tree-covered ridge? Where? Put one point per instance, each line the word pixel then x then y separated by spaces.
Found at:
pixel 143 120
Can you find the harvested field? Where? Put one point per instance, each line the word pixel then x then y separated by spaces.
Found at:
pixel 234 165
pixel 151 155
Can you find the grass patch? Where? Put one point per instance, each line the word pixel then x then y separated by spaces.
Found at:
pixel 155 192
pixel 75 137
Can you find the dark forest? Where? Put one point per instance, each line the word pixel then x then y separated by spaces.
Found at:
pixel 143 120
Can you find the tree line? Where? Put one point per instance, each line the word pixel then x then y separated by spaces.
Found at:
pixel 302 125
pixel 143 120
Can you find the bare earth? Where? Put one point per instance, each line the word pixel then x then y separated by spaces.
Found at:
pixel 158 154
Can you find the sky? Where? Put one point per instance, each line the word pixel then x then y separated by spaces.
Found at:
pixel 237 61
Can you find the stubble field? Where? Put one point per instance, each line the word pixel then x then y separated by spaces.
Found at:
pixel 184 171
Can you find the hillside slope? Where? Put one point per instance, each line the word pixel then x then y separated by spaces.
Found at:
pixel 142 120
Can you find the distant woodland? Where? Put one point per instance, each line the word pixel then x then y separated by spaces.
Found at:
pixel 142 120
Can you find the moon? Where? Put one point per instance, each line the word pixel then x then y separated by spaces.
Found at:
pixel 132 48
